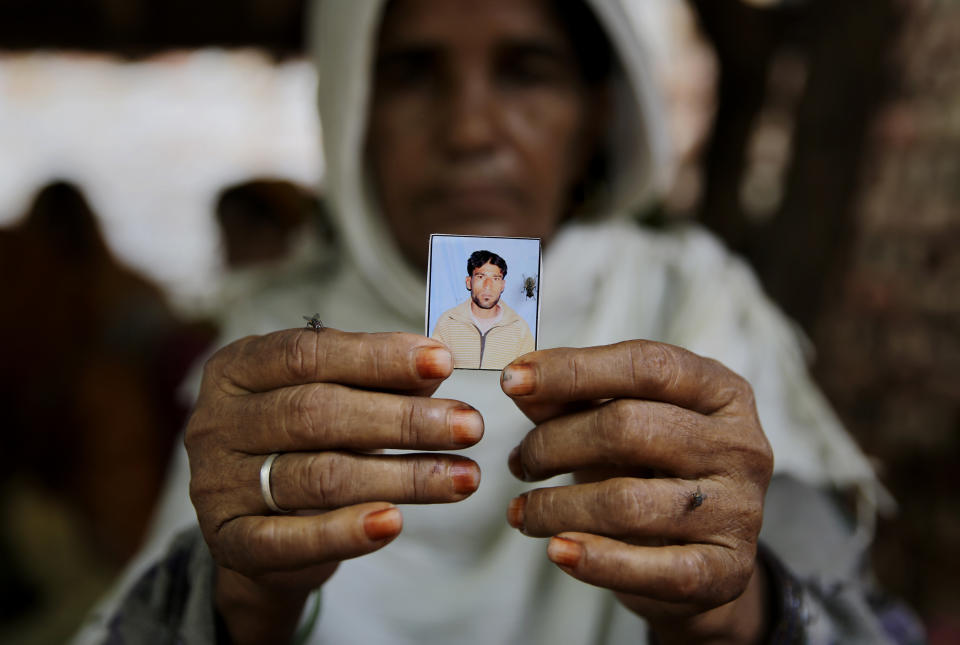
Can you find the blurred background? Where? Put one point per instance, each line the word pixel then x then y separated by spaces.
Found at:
pixel 153 152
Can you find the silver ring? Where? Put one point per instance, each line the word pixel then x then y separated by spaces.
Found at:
pixel 265 489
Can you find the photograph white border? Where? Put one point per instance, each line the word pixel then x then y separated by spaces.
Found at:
pixel 523 260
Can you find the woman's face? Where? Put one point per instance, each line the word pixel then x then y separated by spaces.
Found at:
pixel 480 123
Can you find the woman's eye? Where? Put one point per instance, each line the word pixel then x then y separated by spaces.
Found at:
pixel 534 67
pixel 527 74
pixel 406 69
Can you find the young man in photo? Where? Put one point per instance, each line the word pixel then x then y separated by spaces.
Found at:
pixel 483 332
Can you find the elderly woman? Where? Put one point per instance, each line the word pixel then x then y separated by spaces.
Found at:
pixel 504 117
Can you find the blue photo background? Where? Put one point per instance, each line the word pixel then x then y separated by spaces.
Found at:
pixel 448 271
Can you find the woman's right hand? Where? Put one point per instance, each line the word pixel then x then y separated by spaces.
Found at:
pixel 327 401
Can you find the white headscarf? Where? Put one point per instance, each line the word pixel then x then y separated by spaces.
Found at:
pixel 344 35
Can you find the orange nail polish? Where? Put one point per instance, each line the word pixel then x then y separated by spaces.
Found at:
pixel 515 464
pixel 434 362
pixel 467 426
pixel 383 524
pixel 518 380
pixel 465 476
pixel 515 511
pixel 564 552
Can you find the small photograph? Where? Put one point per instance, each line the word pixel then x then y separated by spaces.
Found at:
pixel 483 298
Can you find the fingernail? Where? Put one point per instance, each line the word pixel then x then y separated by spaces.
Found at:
pixel 465 476
pixel 515 511
pixel 564 552
pixel 434 362
pixel 515 464
pixel 467 426
pixel 383 524
pixel 518 380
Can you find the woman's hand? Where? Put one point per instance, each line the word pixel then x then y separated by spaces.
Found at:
pixel 327 401
pixel 672 467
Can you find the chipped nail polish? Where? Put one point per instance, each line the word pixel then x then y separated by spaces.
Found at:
pixel 434 362
pixel 564 552
pixel 466 426
pixel 465 477
pixel 515 511
pixel 518 380
pixel 383 524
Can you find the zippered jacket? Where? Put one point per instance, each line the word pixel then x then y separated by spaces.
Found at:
pixel 502 343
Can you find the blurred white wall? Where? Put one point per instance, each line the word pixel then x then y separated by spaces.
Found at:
pixel 151 143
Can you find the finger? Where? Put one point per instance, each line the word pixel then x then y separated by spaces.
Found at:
pixel 542 382
pixel 699 576
pixel 334 479
pixel 257 545
pixel 628 507
pixel 391 361
pixel 323 416
pixel 622 433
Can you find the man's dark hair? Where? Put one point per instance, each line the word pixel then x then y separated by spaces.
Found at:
pixel 479 258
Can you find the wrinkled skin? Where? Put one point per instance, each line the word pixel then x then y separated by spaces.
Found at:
pixel 478 125
pixel 672 467
pixel 643 424
pixel 308 395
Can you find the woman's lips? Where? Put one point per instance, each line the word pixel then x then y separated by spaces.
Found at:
pixel 474 198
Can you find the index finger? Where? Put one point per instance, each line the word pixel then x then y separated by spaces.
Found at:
pixel 631 369
pixel 384 361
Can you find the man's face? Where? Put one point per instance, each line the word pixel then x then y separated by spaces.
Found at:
pixel 480 123
pixel 486 285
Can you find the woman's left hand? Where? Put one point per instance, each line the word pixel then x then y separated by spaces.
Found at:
pixel 671 467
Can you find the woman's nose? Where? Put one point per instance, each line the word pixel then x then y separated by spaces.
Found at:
pixel 470 120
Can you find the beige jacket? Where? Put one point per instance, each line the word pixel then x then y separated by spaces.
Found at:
pixel 502 343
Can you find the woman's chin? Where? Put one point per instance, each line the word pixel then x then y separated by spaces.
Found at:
pixel 486 220
pixel 479 219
